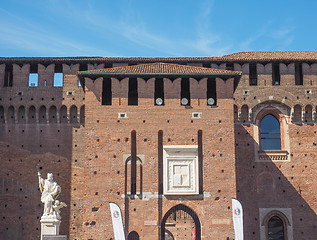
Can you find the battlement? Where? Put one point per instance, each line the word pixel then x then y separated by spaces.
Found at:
pixel 169 139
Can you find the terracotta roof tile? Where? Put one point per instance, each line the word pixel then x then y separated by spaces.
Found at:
pixel 240 56
pixel 271 56
pixel 160 68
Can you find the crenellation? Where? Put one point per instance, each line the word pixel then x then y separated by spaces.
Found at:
pixel 71 129
pixel 222 66
pixel 2 74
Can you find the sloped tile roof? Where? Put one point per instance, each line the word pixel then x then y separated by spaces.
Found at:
pixel 108 59
pixel 271 56
pixel 240 56
pixel 160 68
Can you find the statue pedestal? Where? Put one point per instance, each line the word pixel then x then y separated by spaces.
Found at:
pixel 50 229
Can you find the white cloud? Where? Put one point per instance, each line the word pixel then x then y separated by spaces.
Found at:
pixel 17 33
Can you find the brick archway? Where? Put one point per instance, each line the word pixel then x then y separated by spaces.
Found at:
pixel 177 211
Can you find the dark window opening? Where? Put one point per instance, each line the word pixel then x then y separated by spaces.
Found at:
pixel 211 92
pixel 160 160
pixel 83 67
pixel 270 133
pixel 206 64
pixel 159 91
pixel 133 91
pixel 275 229
pixel 276 76
pixel 108 65
pixel 34 68
pixel 133 236
pixel 106 92
pixel 8 76
pixel 185 92
pixel 230 66
pixel 58 68
pixel 133 163
pixel 298 74
pixel 200 161
pixel 253 75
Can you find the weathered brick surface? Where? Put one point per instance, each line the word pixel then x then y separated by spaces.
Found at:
pixel 88 161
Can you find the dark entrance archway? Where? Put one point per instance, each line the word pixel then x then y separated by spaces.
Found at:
pixel 133 236
pixel 181 219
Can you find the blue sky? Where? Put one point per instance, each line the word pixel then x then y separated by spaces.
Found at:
pixel 155 27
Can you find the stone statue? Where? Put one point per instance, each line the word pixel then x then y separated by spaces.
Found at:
pixel 50 191
pixel 56 207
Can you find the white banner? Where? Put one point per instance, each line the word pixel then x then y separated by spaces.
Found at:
pixel 117 224
pixel 237 219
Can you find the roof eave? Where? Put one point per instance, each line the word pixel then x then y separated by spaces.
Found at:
pixel 83 74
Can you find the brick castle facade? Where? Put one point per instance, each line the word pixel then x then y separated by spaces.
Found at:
pixel 171 140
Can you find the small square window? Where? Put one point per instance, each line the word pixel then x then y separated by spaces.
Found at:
pixel 122 115
pixel 196 114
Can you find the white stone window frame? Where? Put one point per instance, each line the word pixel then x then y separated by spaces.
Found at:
pixel 271 156
pixel 180 155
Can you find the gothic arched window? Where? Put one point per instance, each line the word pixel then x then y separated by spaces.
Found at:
pixel 275 229
pixel 270 133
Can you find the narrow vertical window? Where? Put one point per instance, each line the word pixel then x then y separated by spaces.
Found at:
pixel 275 229
pixel 185 92
pixel 253 75
pixel 159 91
pixel 211 92
pixel 276 76
pixel 298 74
pixel 58 76
pixel 270 133
pixel 106 91
pixel 160 161
pixel 8 75
pixel 33 76
pixel 133 163
pixel 133 91
pixel 200 161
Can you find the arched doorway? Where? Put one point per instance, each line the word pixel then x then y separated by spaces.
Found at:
pixel 133 236
pixel 180 222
